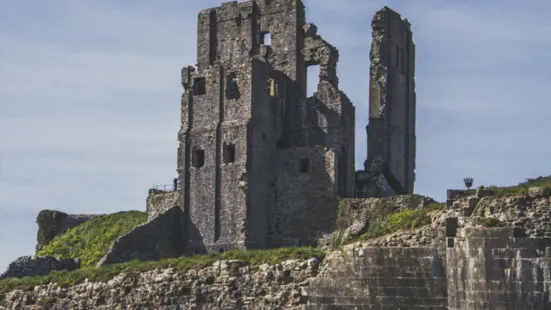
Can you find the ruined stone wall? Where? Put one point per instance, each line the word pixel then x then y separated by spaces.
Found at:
pixel 391 130
pixel 159 201
pixel 496 269
pixel 26 266
pixel 249 94
pixel 54 223
pixel 304 195
pixel 158 238
pixel 381 278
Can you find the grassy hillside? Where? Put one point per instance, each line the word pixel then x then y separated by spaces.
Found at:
pixel 91 240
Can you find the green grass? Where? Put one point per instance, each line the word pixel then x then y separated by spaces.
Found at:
pixel 91 240
pixel 521 188
pixel 69 278
pixel 407 219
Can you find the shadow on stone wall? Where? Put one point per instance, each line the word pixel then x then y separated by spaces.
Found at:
pixel 26 266
pixel 54 223
pixel 160 237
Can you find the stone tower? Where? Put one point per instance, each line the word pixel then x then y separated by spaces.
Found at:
pixel 390 164
pixel 259 163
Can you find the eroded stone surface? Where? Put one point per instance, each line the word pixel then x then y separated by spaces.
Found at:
pixel 159 201
pixel 54 223
pixel 26 266
pixel 256 155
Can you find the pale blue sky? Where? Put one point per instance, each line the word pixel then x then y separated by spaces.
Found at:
pixel 90 95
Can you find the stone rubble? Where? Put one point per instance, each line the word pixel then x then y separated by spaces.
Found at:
pixel 227 284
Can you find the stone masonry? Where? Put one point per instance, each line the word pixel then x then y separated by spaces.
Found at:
pixel 256 156
pixel 390 164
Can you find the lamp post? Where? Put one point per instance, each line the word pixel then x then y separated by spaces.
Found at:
pixel 468 182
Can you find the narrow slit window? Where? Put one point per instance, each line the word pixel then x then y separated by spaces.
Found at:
pixel 272 87
pixel 228 153
pixel 198 158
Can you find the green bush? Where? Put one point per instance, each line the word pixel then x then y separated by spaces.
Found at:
pixel 91 240
pixel 95 274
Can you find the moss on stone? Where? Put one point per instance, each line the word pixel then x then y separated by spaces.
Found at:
pixel 96 274
pixel 90 241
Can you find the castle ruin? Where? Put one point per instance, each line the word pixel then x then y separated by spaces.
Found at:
pixel 260 164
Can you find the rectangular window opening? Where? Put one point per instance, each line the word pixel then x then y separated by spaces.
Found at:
pixel 304 165
pixel 266 39
pixel 198 158
pixel 312 79
pixel 228 153
pixel 199 86
pixel 232 89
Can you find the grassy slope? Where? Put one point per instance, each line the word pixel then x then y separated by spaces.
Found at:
pixel 68 278
pixel 91 240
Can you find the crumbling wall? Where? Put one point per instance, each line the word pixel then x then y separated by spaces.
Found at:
pixel 249 93
pixel 26 266
pixel 54 223
pixel 391 129
pixel 160 237
pixel 159 201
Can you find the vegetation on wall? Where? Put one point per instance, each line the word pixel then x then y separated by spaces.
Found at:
pixel 407 219
pixel 95 274
pixel 91 240
pixel 521 188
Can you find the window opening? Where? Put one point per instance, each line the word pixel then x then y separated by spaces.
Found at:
pixel 272 87
pixel 199 86
pixel 228 153
pixel 312 79
pixel 304 165
pixel 266 39
pixel 232 89
pixel 198 158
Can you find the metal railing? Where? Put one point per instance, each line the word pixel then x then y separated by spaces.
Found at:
pixel 166 187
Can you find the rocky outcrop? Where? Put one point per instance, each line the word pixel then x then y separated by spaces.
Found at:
pixel 26 266
pixel 54 223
